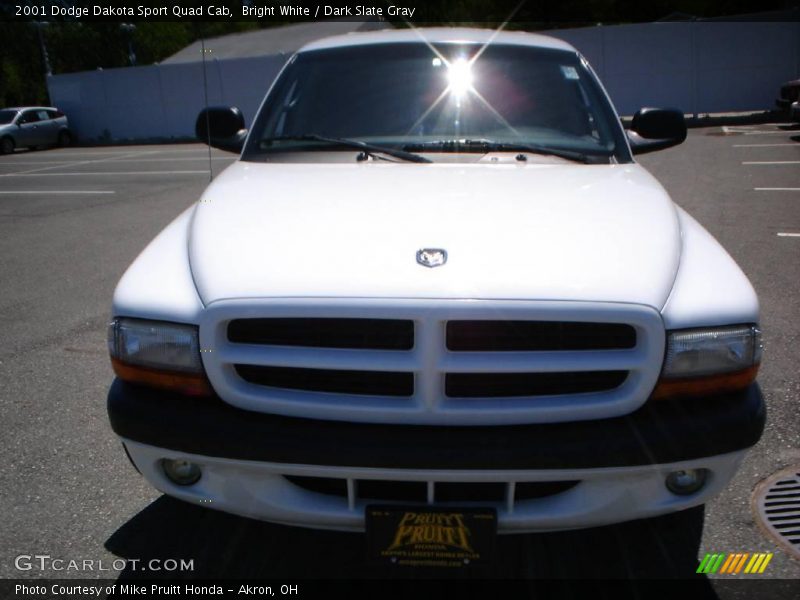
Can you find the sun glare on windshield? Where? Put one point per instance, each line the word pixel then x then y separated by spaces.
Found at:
pixel 459 77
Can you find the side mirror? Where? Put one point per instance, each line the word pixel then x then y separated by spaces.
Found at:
pixel 655 129
pixel 221 127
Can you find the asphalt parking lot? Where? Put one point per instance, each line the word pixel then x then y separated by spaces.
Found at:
pixel 72 220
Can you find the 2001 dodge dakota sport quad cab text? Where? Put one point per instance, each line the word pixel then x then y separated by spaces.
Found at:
pixel 437 292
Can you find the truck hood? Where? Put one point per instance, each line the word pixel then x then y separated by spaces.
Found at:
pixel 557 231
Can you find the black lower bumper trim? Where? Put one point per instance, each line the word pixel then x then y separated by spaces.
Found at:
pixel 659 432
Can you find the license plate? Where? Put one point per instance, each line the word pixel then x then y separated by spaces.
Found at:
pixel 431 537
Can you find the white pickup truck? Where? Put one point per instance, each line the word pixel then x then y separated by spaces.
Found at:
pixel 436 287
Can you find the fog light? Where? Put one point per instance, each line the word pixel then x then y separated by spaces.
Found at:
pixel 181 472
pixel 686 482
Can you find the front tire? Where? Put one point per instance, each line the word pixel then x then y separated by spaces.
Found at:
pixel 64 138
pixel 6 145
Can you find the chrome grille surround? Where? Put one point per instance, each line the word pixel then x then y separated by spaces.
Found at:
pixel 429 361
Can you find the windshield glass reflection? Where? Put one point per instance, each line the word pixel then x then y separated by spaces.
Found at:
pixel 416 95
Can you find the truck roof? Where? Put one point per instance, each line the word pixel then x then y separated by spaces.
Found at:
pixel 439 35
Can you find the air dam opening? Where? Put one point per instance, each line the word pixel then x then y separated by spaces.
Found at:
pixel 417 491
pixel 366 334
pixel 531 336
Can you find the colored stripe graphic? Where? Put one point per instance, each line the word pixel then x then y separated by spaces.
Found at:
pixel 710 563
pixel 765 563
pixel 701 568
pixel 717 563
pixel 734 564
pixel 741 562
pixel 732 558
pixel 754 562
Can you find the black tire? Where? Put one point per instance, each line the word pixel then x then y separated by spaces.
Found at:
pixel 64 138
pixel 6 145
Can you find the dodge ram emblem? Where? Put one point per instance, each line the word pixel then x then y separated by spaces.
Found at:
pixel 431 257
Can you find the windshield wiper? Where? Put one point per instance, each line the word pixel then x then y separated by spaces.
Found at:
pixel 369 149
pixel 491 146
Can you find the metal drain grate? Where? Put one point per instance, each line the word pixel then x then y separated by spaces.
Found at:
pixel 776 504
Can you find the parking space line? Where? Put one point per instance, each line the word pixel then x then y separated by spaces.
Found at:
pixel 168 159
pixel 756 129
pixel 204 150
pixel 126 160
pixel 117 174
pixel 45 157
pixel 777 189
pixel 58 192
pixel 732 131
pixel 76 163
pixel 771 162
pixel 766 145
pixel 784 234
pixel 37 162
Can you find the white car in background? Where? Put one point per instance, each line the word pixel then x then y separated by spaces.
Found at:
pixel 436 298
pixel 32 127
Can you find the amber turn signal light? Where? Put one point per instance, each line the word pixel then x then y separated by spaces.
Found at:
pixel 705 386
pixel 190 384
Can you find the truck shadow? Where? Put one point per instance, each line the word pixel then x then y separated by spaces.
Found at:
pixel 230 547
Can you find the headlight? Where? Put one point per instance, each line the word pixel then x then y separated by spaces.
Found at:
pixel 159 354
pixel 701 362
pixel 697 352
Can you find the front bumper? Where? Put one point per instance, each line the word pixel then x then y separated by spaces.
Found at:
pixel 792 108
pixel 659 432
pixel 621 463
pixel 261 491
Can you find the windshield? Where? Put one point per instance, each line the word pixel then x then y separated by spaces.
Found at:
pixel 6 116
pixel 445 98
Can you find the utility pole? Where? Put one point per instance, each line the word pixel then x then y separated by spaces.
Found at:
pixel 129 28
pixel 48 71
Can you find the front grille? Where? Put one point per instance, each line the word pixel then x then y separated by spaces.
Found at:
pixel 371 334
pixel 432 362
pixel 511 336
pixel 492 492
pixel 503 385
pixel 373 383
